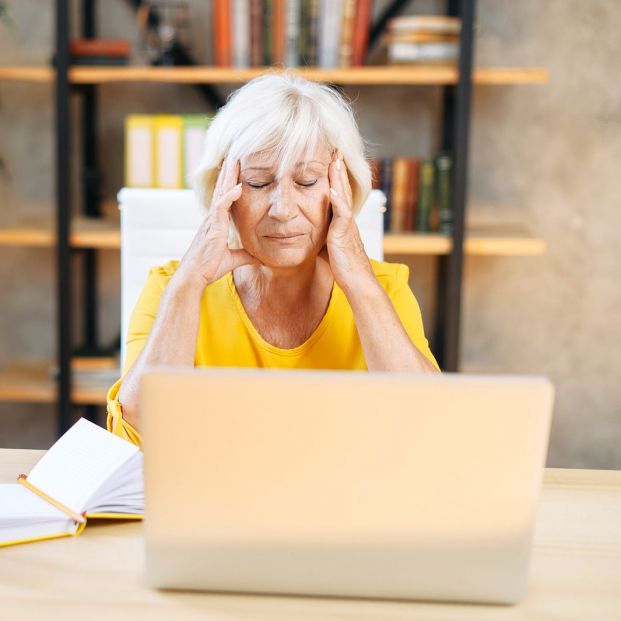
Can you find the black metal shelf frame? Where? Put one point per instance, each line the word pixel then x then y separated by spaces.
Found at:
pixel 455 140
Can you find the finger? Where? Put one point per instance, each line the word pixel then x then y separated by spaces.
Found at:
pixel 223 204
pixel 344 176
pixel 337 185
pixel 340 207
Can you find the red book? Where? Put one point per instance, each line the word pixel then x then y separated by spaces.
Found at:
pixel 99 47
pixel 222 32
pixel 362 26
pixel 256 33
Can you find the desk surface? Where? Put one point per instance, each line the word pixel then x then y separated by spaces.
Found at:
pixel 575 571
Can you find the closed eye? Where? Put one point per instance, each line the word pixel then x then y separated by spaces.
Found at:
pixel 306 184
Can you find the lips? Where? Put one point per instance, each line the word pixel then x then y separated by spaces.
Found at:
pixel 284 236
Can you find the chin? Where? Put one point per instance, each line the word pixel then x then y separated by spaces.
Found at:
pixel 286 257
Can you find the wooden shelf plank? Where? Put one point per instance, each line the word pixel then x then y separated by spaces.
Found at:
pixel 28 382
pixel 411 74
pixel 105 234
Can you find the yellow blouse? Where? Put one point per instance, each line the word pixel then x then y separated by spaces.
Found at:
pixel 227 337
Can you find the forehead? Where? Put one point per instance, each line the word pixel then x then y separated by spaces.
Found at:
pixel 267 159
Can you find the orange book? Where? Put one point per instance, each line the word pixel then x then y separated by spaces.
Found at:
pixel 222 33
pixel 360 37
pixel 411 194
pixel 278 32
pixel 400 170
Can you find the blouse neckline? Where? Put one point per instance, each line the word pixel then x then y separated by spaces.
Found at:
pixel 295 351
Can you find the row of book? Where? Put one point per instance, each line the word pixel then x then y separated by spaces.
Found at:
pixel 428 39
pixel 161 150
pixel 418 193
pixel 291 33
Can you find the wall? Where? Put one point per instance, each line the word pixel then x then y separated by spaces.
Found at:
pixel 541 155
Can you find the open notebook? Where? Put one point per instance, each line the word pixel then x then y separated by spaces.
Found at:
pixel 87 473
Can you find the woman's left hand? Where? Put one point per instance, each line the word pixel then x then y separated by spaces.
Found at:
pixel 346 255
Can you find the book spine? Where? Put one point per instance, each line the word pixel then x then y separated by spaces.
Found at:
pixel 256 33
pixel 425 197
pixel 386 187
pixel 279 30
pixel 268 51
pixel 292 57
pixel 313 32
pixel 222 35
pixel 330 33
pixel 241 34
pixel 444 166
pixel 139 148
pixel 362 26
pixel 422 51
pixel 411 194
pixel 347 28
pixel 168 151
pixel 194 128
pixel 399 189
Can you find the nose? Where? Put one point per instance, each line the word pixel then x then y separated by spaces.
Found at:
pixel 282 203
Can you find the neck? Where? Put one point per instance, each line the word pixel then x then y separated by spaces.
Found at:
pixel 279 288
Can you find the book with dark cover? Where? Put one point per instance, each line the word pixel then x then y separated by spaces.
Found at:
pixel 268 16
pixel 222 33
pixel 308 33
pixel 425 196
pixel 386 187
pixel 256 33
pixel 409 222
pixel 362 27
pixel 100 61
pixel 444 168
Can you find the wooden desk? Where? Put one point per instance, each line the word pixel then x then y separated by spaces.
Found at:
pixel 575 573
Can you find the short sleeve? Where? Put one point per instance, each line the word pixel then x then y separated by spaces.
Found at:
pixel 408 310
pixel 140 324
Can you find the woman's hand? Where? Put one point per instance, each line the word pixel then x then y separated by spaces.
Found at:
pixel 209 257
pixel 348 260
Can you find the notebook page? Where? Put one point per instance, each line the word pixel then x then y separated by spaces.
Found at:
pixel 79 462
pixel 18 503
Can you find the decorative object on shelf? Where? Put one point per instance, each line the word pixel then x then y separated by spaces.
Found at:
pixel 423 39
pixel 164 32
pixel 104 52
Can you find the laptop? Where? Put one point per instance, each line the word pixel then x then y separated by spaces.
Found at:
pixel 341 483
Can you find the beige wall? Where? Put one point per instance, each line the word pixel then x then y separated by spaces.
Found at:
pixel 540 155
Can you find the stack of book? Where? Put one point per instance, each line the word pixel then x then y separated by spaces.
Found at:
pixel 291 33
pixel 428 39
pixel 162 150
pixel 105 52
pixel 418 193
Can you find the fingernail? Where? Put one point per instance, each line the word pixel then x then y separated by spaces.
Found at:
pixel 239 185
pixel 334 192
pixel 338 163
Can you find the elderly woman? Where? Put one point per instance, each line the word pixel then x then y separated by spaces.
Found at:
pixel 276 275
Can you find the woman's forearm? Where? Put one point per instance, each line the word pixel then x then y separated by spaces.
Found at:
pixel 172 340
pixel 386 344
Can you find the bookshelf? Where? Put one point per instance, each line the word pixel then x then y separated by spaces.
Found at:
pixel 482 76
pixel 32 382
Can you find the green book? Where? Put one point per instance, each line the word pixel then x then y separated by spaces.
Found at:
pixel 444 168
pixel 425 196
pixel 267 33
pixel 194 128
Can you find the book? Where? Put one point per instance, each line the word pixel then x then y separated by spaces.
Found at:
pixel 241 34
pixel 347 33
pixel 400 169
pixel 425 196
pixel 168 136
pixel 292 33
pixel 222 33
pixel 386 187
pixel 411 201
pixel 256 33
pixel 268 27
pixel 423 52
pixel 444 167
pixel 194 128
pixel 99 47
pixel 329 35
pixel 88 473
pixel 279 43
pixel 362 28
pixel 139 151
pixel 425 23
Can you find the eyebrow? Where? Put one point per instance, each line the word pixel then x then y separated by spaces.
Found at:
pixel 269 168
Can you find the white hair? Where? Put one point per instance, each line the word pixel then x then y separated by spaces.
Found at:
pixel 289 115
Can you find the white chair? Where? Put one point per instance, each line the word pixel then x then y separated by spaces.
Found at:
pixel 158 225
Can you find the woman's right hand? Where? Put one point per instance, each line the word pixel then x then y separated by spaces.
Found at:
pixel 209 257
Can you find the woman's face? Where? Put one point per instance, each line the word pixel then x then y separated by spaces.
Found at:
pixel 283 222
